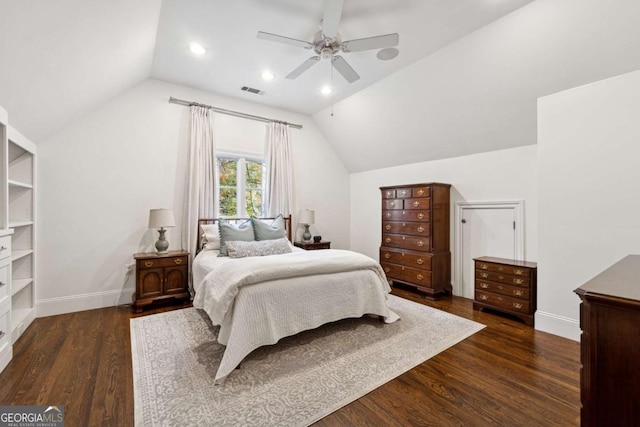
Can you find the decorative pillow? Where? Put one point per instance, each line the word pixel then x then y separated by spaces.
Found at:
pixel 229 232
pixel 264 231
pixel 211 236
pixel 239 249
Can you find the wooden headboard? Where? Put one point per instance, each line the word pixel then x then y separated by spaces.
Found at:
pixel 202 221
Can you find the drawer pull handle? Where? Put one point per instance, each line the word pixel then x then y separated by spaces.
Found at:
pixel 518 281
pixel 2 283
pixel 501 277
pixel 484 297
pixel 500 268
pixel 388 214
pixel 388 227
pixel 518 293
pixel 148 263
pixel 484 266
pixel 421 243
pixel 402 193
pixel 3 248
pixel 420 261
pixel 500 287
pixel 389 193
pixel 420 215
pixel 387 255
pixel 387 269
pixel 178 261
pixel 416 204
pixel 388 239
pixel 517 305
pixel 500 298
pixel 420 229
pixel 484 275
pixel 484 286
pixel 420 276
pixel 519 272
pixel 2 333
pixel 421 192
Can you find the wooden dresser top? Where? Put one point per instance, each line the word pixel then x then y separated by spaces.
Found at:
pixel 513 262
pixel 621 280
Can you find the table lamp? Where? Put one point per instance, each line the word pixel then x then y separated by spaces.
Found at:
pixel 160 218
pixel 306 218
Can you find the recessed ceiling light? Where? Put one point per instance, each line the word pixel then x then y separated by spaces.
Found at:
pixel 326 90
pixel 267 75
pixel 197 49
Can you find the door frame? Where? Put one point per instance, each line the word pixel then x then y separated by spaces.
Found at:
pixel 518 213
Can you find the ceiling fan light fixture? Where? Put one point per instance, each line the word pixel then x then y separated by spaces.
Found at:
pixel 197 49
pixel 267 75
pixel 387 53
pixel 326 90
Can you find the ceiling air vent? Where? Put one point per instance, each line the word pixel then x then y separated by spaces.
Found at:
pixel 252 90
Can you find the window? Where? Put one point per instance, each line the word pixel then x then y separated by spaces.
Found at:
pixel 241 186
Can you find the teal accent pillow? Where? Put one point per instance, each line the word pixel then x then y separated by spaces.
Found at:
pixel 231 232
pixel 264 231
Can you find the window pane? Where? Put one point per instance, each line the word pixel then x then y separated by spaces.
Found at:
pixel 253 174
pixel 228 202
pixel 254 202
pixel 228 171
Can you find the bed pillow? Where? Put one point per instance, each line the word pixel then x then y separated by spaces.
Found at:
pixel 211 236
pixel 264 231
pixel 232 232
pixel 240 249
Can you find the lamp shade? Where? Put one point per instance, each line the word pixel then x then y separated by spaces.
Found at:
pixel 306 217
pixel 159 218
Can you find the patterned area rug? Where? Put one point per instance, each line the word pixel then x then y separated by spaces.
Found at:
pixel 294 383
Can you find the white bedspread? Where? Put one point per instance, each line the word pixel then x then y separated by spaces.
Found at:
pixel 259 300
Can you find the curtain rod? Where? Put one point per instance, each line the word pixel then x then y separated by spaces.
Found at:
pixel 231 112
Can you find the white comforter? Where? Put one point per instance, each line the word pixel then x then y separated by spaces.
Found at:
pixel 259 300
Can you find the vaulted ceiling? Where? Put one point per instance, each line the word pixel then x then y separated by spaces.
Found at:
pixel 466 79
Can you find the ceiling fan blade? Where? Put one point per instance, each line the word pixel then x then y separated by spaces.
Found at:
pixel 285 40
pixel 331 17
pixel 303 67
pixel 345 69
pixel 377 42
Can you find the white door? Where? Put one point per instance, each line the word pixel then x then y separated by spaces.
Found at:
pixel 485 232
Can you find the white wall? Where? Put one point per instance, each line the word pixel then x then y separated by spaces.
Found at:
pixel 588 146
pixel 99 177
pixel 495 176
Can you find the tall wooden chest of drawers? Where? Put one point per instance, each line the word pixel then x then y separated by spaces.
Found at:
pixel 507 286
pixel 415 236
pixel 610 346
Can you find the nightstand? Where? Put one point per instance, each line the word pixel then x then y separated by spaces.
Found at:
pixel 161 277
pixel 310 246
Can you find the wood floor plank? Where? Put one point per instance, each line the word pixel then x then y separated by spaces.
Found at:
pixel 507 374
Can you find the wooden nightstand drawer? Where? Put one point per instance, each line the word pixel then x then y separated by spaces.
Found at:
pixel 162 262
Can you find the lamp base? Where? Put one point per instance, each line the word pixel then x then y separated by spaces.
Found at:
pixel 162 244
pixel 306 236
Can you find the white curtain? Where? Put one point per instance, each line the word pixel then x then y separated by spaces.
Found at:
pixel 200 197
pixel 280 185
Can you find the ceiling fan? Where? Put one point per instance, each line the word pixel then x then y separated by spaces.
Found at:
pixel 327 43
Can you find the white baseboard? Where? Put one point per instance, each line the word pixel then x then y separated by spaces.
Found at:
pixel 558 325
pixel 73 303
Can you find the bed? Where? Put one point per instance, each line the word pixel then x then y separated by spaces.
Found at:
pixel 257 300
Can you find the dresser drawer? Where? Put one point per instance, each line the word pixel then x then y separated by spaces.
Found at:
pixel 392 204
pixel 161 262
pixel 403 193
pixel 503 289
pixel 388 194
pixel 504 302
pixel 407 242
pixel 407 274
pixel 418 203
pixel 414 228
pixel 5 333
pixel 405 258
pixel 4 282
pixel 503 278
pixel 500 268
pixel 404 215
pixel 421 192
pixel 5 246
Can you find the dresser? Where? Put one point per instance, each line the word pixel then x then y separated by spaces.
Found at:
pixel 507 286
pixel 415 237
pixel 610 346
pixel 161 277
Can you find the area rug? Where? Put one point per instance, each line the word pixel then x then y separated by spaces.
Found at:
pixel 295 382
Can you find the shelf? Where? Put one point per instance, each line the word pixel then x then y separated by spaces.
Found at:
pixel 21 253
pixel 14 183
pixel 16 224
pixel 19 284
pixel 18 315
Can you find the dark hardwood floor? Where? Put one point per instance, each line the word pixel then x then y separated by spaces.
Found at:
pixel 508 374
